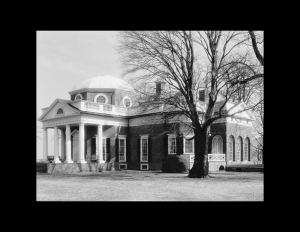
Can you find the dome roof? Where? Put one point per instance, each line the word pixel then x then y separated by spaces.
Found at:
pixel 103 82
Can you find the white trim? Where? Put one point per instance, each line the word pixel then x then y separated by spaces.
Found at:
pixel 126 97
pixel 143 165
pixel 184 139
pixel 101 94
pixel 123 168
pixel 79 94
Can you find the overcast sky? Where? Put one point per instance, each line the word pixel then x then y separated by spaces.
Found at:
pixel 65 58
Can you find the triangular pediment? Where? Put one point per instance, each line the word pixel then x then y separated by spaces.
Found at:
pixel 52 110
pixel 240 111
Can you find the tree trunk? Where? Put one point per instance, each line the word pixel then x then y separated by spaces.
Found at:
pixel 200 167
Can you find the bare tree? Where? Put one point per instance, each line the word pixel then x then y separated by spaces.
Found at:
pixel 169 56
pixel 255 47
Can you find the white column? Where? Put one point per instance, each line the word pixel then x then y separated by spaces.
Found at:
pixel 63 144
pixel 45 145
pixel 68 145
pixel 81 143
pixel 56 146
pixel 100 144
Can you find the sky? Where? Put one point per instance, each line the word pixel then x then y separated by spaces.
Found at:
pixel 65 58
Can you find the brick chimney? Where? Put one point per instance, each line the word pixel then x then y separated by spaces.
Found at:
pixel 160 85
pixel 202 95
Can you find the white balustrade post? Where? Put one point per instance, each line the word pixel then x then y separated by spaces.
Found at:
pixel 68 145
pixel 100 144
pixel 56 146
pixel 81 143
pixel 45 145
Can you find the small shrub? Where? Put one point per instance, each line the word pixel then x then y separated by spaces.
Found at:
pixel 221 168
pixel 173 164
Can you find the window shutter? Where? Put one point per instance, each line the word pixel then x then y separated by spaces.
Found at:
pixel 138 149
pixel 181 145
pixel 127 149
pixel 177 145
pixel 165 145
pixel 107 149
pixel 149 149
pixel 117 149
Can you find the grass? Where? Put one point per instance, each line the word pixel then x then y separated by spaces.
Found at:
pixel 131 185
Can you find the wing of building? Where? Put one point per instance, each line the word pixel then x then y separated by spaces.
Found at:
pixel 104 127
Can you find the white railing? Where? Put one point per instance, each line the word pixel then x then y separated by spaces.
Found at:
pixel 100 108
pixel 216 157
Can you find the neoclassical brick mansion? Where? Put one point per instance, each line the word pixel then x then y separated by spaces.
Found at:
pixel 103 128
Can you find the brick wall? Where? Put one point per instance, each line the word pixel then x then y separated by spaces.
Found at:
pixel 237 130
pixel 156 135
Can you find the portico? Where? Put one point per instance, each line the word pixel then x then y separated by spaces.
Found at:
pixel 66 155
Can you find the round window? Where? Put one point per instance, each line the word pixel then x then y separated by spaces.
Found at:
pixel 101 99
pixel 127 102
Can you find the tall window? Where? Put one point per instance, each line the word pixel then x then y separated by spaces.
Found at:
pixel 246 149
pixel 217 145
pixel 188 146
pixel 144 148
pixel 172 148
pixel 122 149
pixel 230 148
pixel 238 149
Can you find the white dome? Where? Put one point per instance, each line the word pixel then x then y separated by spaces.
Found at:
pixel 103 82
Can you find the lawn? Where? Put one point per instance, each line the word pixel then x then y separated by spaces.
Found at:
pixel 128 185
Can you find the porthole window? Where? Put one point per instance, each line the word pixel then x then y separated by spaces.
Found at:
pixel 60 111
pixel 101 98
pixel 78 97
pixel 127 102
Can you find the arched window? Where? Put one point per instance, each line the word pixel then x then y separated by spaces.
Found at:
pixel 78 97
pixel 60 111
pixel 230 153
pixel 101 98
pixel 239 154
pixel 217 145
pixel 247 149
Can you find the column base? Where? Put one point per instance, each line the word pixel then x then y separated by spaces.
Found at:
pixel 68 162
pixel 81 161
pixel 101 161
pixel 56 161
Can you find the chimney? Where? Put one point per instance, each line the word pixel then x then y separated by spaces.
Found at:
pixel 202 95
pixel 160 85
